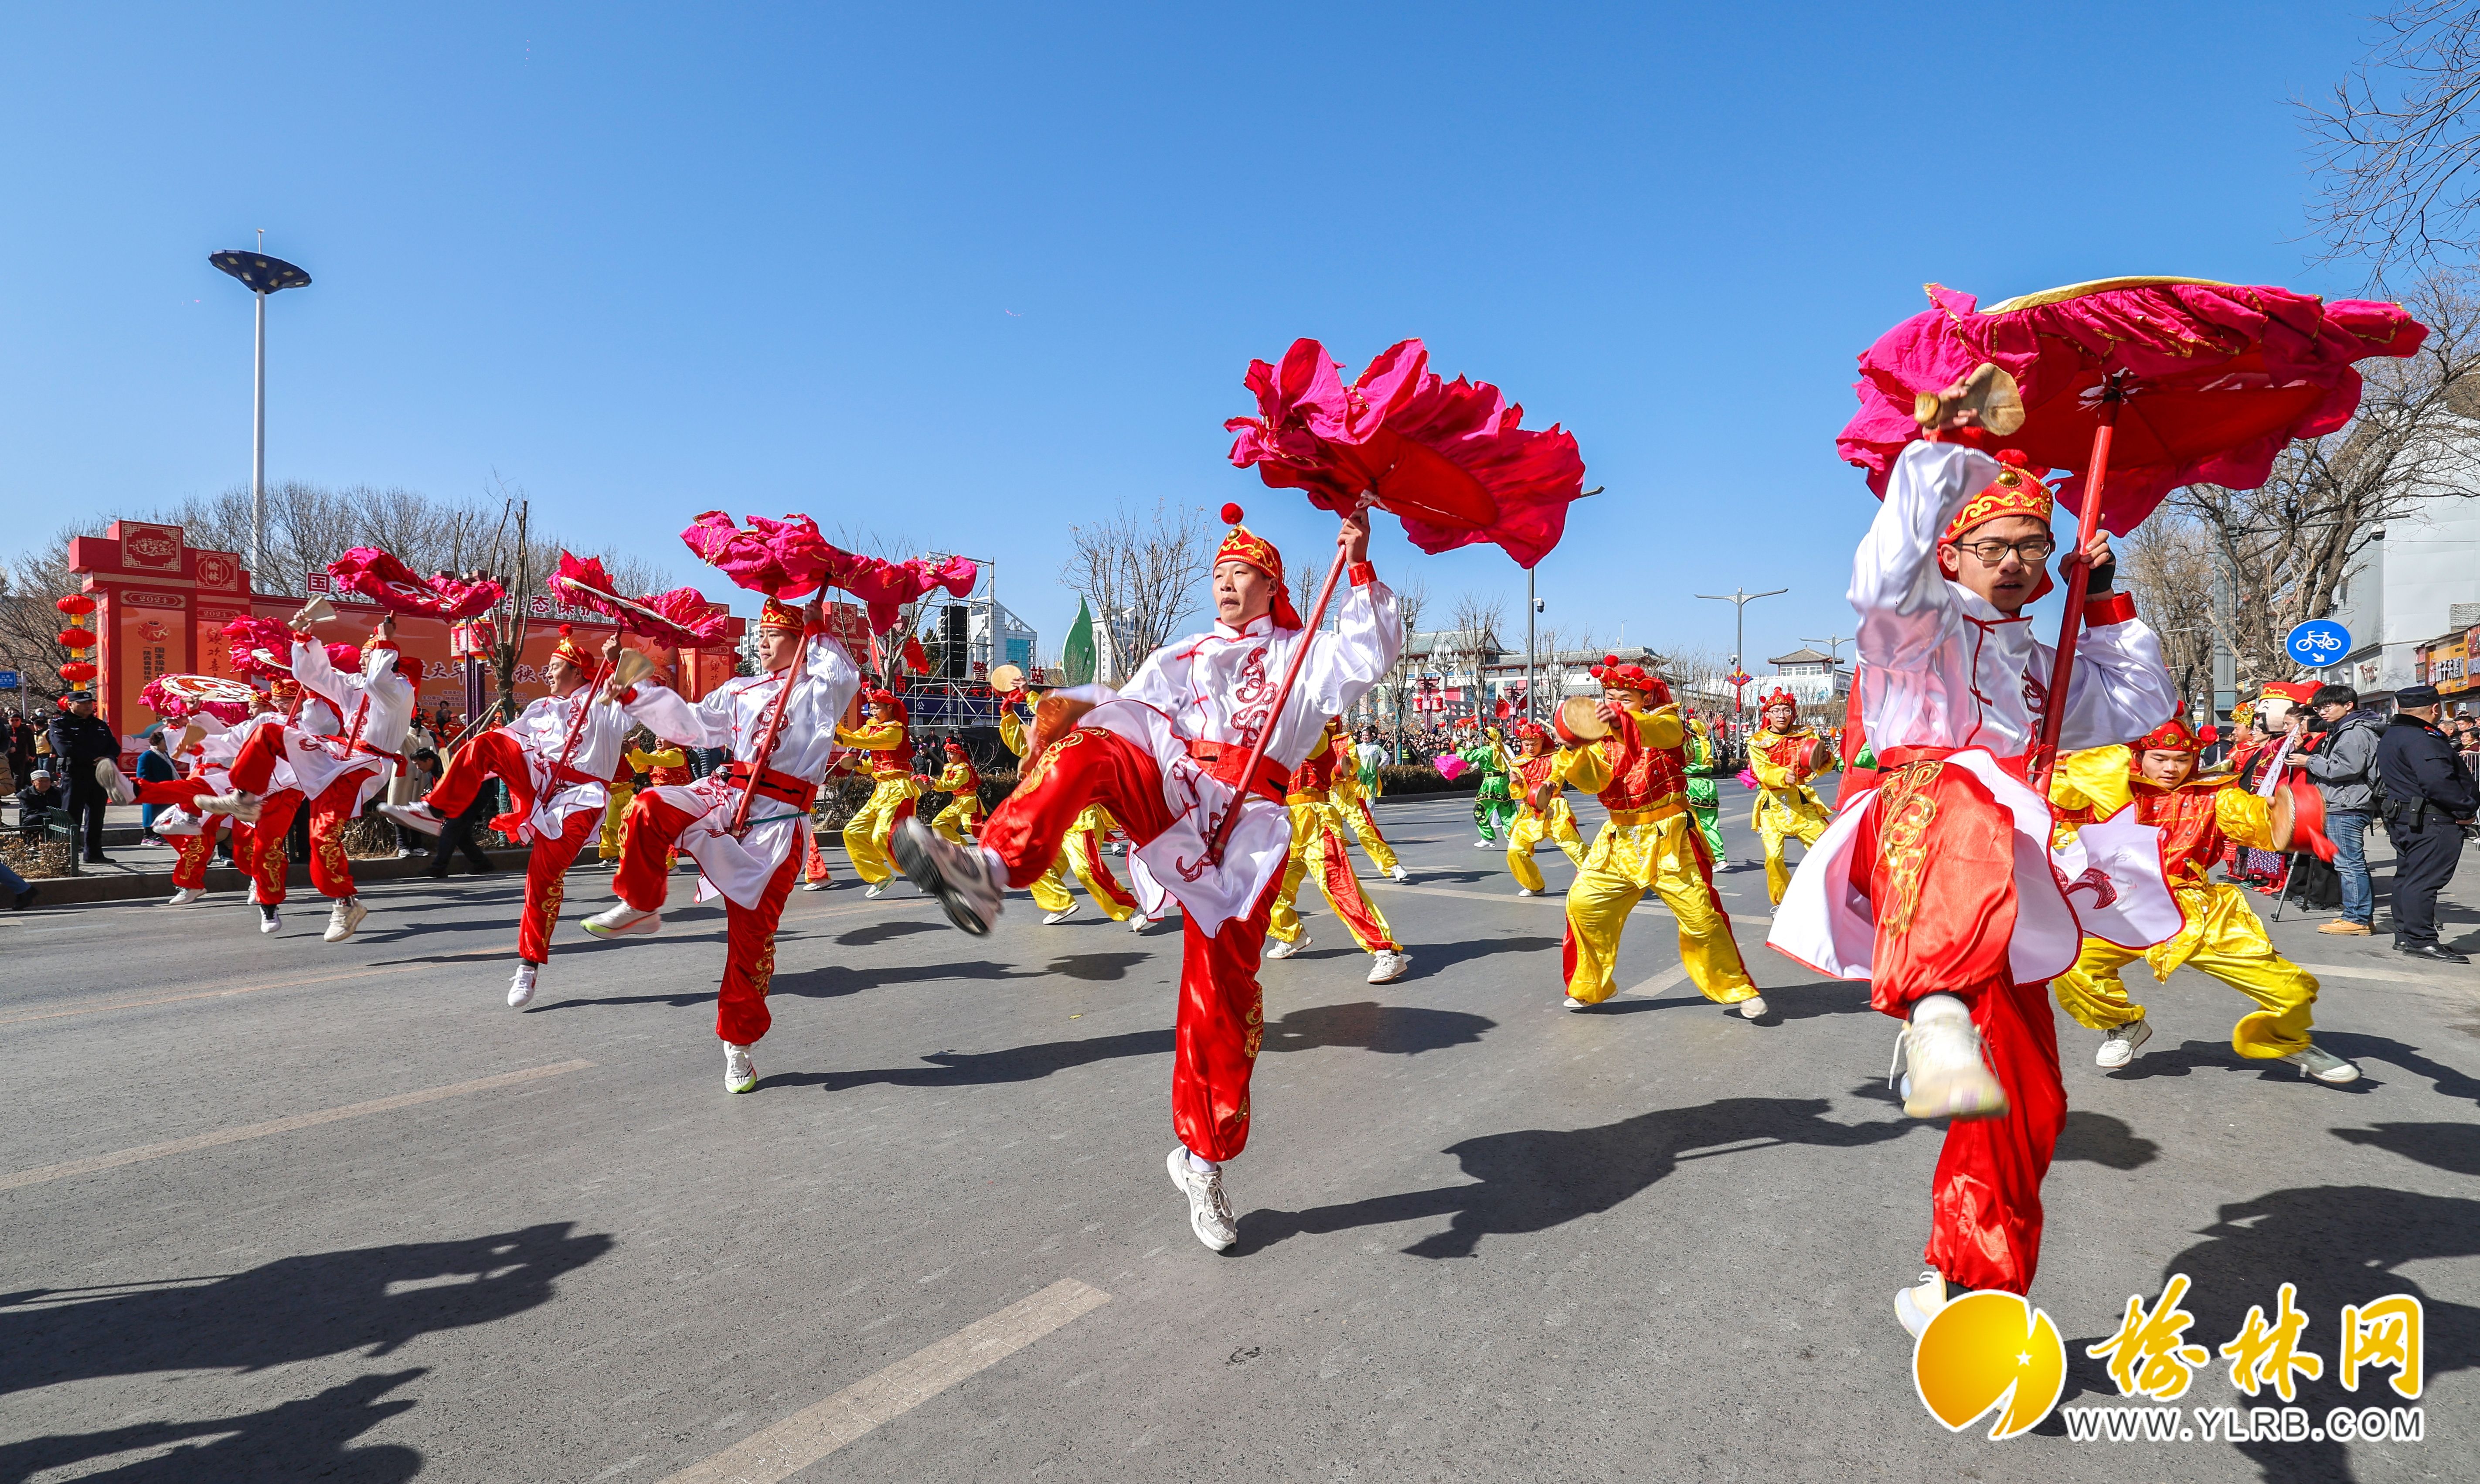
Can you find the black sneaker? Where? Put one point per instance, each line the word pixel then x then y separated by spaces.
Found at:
pixel 958 875
pixel 25 898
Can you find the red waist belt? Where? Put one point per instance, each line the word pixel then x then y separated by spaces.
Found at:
pixel 396 758
pixel 1897 757
pixel 783 787
pixel 561 772
pixel 1224 762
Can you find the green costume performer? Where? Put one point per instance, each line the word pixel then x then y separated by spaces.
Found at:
pixel 1704 805
pixel 1493 807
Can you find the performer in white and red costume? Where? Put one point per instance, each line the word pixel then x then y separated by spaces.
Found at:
pixel 261 823
pixel 1164 756
pixel 337 771
pixel 753 869
pixel 1937 885
pixel 556 758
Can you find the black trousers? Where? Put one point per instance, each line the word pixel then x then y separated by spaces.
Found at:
pixel 86 808
pixel 2424 861
pixel 458 835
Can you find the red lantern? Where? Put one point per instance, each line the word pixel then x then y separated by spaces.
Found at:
pixel 77 672
pixel 76 603
pixel 76 638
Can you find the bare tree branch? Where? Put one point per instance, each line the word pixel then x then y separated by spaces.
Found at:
pixel 1144 574
pixel 2397 146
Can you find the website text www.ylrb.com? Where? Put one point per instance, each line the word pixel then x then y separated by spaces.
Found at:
pixel 2243 1425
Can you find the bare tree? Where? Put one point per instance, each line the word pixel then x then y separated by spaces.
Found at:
pixel 2167 563
pixel 2286 549
pixel 1144 574
pixel 2396 145
pixel 1473 638
pixel 29 624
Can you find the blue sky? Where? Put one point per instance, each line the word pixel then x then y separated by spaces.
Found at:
pixel 960 274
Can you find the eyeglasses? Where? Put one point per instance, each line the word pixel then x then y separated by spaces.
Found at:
pixel 2034 550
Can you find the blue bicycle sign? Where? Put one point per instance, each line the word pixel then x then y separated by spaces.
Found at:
pixel 2318 642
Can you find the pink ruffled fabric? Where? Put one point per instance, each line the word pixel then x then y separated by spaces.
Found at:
pixel 249 637
pixel 173 706
pixel 400 589
pixel 1449 765
pixel 1451 459
pixel 2220 377
pixel 682 618
pixel 789 560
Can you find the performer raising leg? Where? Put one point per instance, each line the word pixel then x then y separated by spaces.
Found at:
pixel 1936 885
pixel 753 869
pixel 1784 755
pixel 1166 755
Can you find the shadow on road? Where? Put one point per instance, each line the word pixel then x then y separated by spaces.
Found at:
pixel 293 1309
pixel 879 932
pixel 2451 1147
pixel 2340 1244
pixel 1388 1030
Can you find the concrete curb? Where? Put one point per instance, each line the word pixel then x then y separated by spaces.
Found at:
pixel 134 885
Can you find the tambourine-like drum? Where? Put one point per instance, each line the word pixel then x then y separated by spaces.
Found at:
pixel 1006 679
pixel 200 690
pixel 1053 718
pixel 1578 720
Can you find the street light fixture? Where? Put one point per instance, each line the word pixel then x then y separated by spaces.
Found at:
pixel 1740 599
pixel 262 277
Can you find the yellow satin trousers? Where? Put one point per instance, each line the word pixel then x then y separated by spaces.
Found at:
pixel 2222 937
pixel 1626 861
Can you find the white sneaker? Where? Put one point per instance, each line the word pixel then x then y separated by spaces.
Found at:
pixel 1399 873
pixel 1138 922
pixel 623 920
pixel 968 881
pixel 1060 916
pixel 115 785
pixel 1947 1076
pixel 521 989
pixel 1526 891
pixel 1210 1209
pixel 419 817
pixel 740 1073
pixel 1484 845
pixel 268 919
pixel 1277 947
pixel 1751 1008
pixel 2324 1066
pixel 2118 1047
pixel 1575 1003
pixel 242 806
pixel 184 897
pixel 877 889
pixel 1918 1305
pixel 1392 964
pixel 814 886
pixel 346 919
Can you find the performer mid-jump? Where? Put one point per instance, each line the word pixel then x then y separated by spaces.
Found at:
pixel 1165 756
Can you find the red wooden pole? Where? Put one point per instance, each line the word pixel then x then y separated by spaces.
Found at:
pixel 2045 752
pixel 1275 715
pixel 767 738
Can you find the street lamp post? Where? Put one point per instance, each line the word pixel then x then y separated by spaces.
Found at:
pixel 263 276
pixel 1740 600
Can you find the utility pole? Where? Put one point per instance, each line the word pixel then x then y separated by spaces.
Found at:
pixel 1740 599
pixel 263 276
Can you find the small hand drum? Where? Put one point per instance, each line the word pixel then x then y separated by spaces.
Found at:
pixel 1055 718
pixel 1578 720
pixel 316 610
pixel 199 689
pixel 1007 679
pixel 630 666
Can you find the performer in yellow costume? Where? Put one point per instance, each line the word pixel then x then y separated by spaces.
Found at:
pixel 964 787
pixel 1650 844
pixel 1352 794
pixel 1080 849
pixel 1784 755
pixel 1318 850
pixel 1541 811
pixel 884 737
pixel 2222 935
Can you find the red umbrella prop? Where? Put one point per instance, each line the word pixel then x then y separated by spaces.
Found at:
pixel 789 559
pixel 1450 461
pixel 2147 383
pixel 400 589
pixel 682 618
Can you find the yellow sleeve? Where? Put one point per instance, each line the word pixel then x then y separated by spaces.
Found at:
pixel 639 760
pixel 1586 768
pixel 2094 778
pixel 1012 730
pixel 874 737
pixel 2245 817
pixel 669 757
pixel 1662 729
pixel 950 778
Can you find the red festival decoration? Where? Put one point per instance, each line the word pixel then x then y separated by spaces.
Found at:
pixel 400 589
pixel 682 618
pixel 1448 458
pixel 788 559
pixel 2147 383
pixel 75 605
pixel 76 640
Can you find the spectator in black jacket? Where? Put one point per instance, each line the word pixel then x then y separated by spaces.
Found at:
pixel 80 740
pixel 2344 765
pixel 2429 796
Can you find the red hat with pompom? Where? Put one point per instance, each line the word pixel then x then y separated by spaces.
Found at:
pixel 2016 491
pixel 1245 546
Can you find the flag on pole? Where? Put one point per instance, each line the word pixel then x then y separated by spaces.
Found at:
pixel 1077 657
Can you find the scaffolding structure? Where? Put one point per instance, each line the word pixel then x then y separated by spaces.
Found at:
pixel 964 638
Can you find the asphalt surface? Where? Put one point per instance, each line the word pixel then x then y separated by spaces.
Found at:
pixel 1481 1238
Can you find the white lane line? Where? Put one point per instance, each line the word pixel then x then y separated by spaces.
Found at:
pixel 2386 975
pixel 1651 903
pixel 217 993
pixel 197 1141
pixel 814 1431
pixel 1661 984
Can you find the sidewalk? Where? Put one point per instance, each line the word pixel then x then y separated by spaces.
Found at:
pixel 141 866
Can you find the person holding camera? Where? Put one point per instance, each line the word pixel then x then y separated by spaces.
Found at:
pixel 2430 801
pixel 2344 764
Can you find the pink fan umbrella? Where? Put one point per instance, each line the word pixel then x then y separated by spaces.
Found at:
pixel 2149 383
pixel 400 589
pixel 178 697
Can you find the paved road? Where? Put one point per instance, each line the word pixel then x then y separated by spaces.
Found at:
pixel 1483 1239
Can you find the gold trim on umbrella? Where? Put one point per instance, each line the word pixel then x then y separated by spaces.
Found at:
pixel 2094 286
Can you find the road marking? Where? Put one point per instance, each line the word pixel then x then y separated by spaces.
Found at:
pixel 814 1431
pixel 214 994
pixel 1661 984
pixel 198 1141
pixel 2387 976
